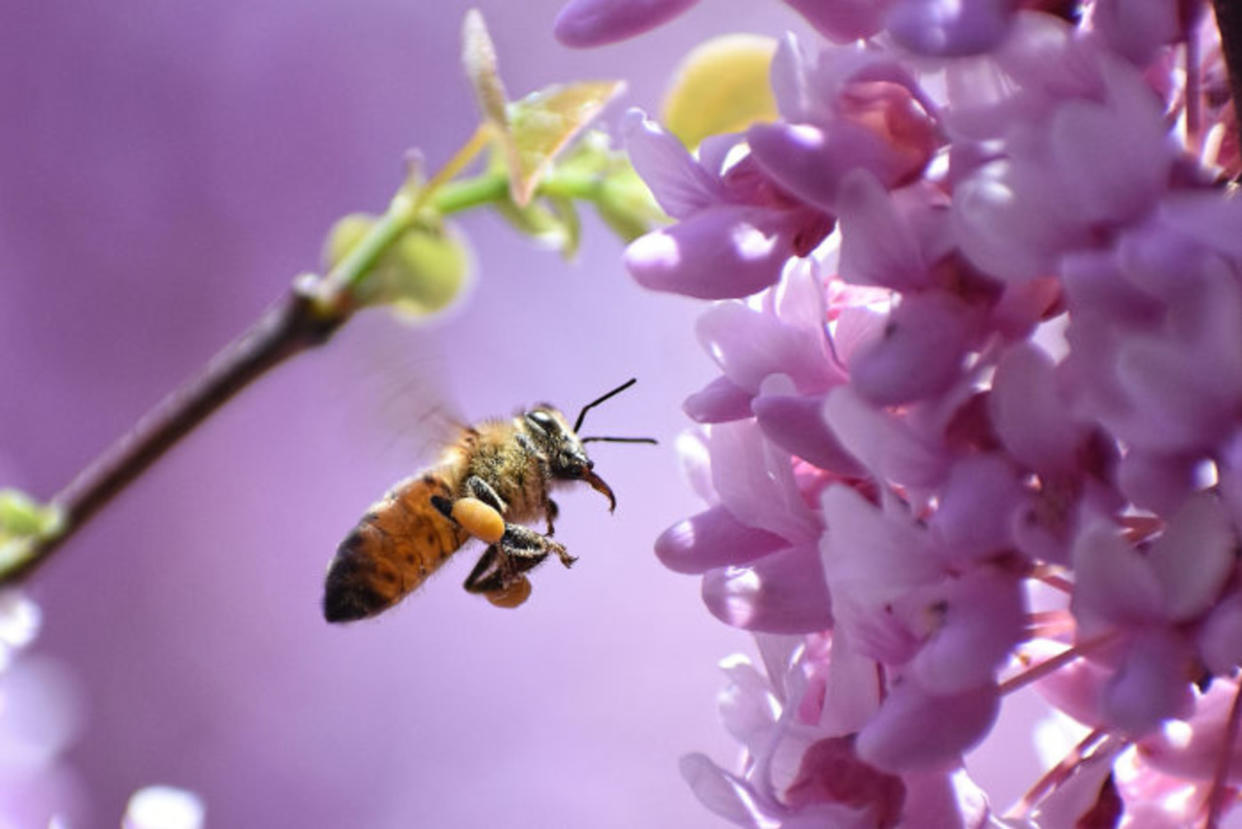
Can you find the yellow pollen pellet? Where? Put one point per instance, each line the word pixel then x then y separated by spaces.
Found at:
pixel 511 596
pixel 478 519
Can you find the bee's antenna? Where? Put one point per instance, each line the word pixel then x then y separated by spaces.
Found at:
pixel 619 440
pixel 597 401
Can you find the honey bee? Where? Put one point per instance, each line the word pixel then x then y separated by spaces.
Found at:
pixel 496 475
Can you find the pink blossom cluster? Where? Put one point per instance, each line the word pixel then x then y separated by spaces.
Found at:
pixel 978 422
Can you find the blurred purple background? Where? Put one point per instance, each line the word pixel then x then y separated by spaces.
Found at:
pixel 165 169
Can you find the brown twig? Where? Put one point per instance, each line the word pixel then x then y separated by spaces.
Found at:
pixel 288 328
pixel 1229 23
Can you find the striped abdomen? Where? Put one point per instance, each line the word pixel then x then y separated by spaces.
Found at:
pixel 397 544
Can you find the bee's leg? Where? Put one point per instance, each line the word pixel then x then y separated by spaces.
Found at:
pixel 523 543
pixel 551 511
pixel 486 576
pixel 482 490
pixel 497 568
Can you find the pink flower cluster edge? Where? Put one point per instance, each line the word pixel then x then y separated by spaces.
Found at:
pixel 978 423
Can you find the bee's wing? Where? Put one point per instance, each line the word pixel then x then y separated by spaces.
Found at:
pixel 408 402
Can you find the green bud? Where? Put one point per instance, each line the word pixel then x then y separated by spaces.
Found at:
pixel 344 237
pixel 422 272
pixel 23 517
pixel 544 225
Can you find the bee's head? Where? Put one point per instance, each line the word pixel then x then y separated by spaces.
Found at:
pixel 567 459
pixel 563 448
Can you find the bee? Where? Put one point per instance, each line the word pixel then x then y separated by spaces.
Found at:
pixel 496 476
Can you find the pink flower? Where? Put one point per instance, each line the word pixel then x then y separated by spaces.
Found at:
pixel 737 228
pixel 1013 369
pixel 937 28
pixel 584 23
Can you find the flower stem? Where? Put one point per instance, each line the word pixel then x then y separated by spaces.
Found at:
pixel 1056 775
pixel 1229 22
pixel 486 188
pixel 1050 575
pixel 1057 662
pixel 308 315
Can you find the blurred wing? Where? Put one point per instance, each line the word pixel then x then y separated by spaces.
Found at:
pixel 404 399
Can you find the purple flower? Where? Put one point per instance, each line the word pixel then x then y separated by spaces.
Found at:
pixel 933 28
pixel 1002 400
pixel 584 23
pixel 845 110
pixel 736 227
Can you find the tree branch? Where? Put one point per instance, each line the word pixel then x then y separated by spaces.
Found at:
pixel 290 327
pixel 1229 22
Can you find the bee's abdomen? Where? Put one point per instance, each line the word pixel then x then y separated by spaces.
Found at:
pixel 397 544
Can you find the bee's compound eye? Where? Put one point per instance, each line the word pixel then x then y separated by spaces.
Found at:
pixel 542 419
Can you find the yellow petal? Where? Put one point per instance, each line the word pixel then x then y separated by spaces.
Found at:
pixel 721 86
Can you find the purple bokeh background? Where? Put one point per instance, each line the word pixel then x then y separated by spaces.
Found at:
pixel 165 169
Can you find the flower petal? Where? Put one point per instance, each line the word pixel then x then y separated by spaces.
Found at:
pixel 811 161
pixel 831 772
pixel 842 20
pixel 920 353
pixel 1151 684
pixel 1193 557
pixel 678 182
pixel 719 252
pixel 1028 413
pixel 877 247
pixel 949 28
pixel 851 694
pixel 1103 180
pixel 935 798
pixel 1136 28
pixel 746 702
pixel 872 555
pixel 1076 689
pixel 780 593
pixel 713 538
pixel 585 23
pixel 983 620
pixel 1113 582
pixel 1155 481
pixel 751 345
pixel 881 442
pixel 977 507
pixel 755 481
pixel 914 730
pixel 1220 637
pixel 719 401
pixel 721 792
pixel 797 425
pixel 1071 801
pixel 1207 217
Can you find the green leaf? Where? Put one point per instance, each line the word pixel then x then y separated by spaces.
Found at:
pixel 721 86
pixel 533 130
pixel 567 214
pixel 537 221
pixel 544 122
pixel 478 56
